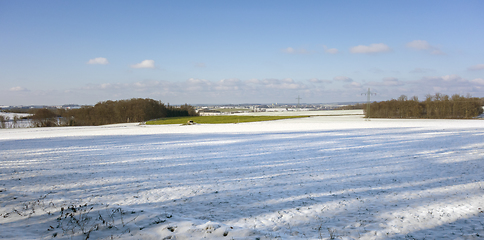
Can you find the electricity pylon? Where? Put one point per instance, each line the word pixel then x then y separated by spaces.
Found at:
pixel 298 98
pixel 368 94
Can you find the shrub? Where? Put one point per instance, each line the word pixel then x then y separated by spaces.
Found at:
pixel 44 118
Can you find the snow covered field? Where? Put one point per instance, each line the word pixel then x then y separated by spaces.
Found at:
pixel 322 177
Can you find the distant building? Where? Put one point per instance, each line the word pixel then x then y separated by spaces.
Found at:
pixel 207 112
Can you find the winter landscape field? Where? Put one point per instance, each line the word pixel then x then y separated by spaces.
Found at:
pixel 322 177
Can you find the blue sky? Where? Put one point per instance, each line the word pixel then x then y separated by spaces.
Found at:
pixel 213 52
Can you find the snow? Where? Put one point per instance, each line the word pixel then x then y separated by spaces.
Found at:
pixel 304 112
pixel 21 123
pixel 321 177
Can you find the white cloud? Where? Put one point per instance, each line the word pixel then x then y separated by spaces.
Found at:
pixel 442 79
pixel 354 85
pixel 230 81
pixel 387 82
pixel 144 64
pixel 372 48
pixel 330 50
pixel 452 78
pixel 231 84
pixel 195 85
pixel 437 52
pixel 253 81
pixel 419 45
pixel 197 81
pixel 200 65
pixel 235 90
pixel 18 89
pixel 108 85
pixel 476 67
pixel 423 45
pixel 288 50
pixel 343 79
pixel 315 80
pixel 286 83
pixel 147 84
pixel 234 84
pixel 268 83
pixel 99 60
pixel 448 84
pixel 479 81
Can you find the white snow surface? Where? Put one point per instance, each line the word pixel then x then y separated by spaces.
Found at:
pixel 21 123
pixel 323 177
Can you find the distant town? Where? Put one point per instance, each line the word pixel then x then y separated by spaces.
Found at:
pixel 209 109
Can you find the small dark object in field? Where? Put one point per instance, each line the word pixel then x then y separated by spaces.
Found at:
pixel 172 229
pixel 159 221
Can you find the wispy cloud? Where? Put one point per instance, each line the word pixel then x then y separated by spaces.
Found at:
pixel 476 67
pixel 448 84
pixel 230 84
pixel 353 85
pixel 286 83
pixel 144 64
pixel 315 80
pixel 387 82
pixel 479 81
pixel 419 45
pixel 99 60
pixel 422 45
pixel 376 70
pixel 288 50
pixel 330 50
pixel 343 79
pixel 291 50
pixel 18 89
pixel 372 48
pixel 422 70
pixel 196 90
pixel 200 65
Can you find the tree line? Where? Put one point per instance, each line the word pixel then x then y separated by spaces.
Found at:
pixel 110 112
pixel 434 106
pixel 351 107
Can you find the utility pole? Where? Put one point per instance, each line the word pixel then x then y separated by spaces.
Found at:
pixel 298 98
pixel 368 102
